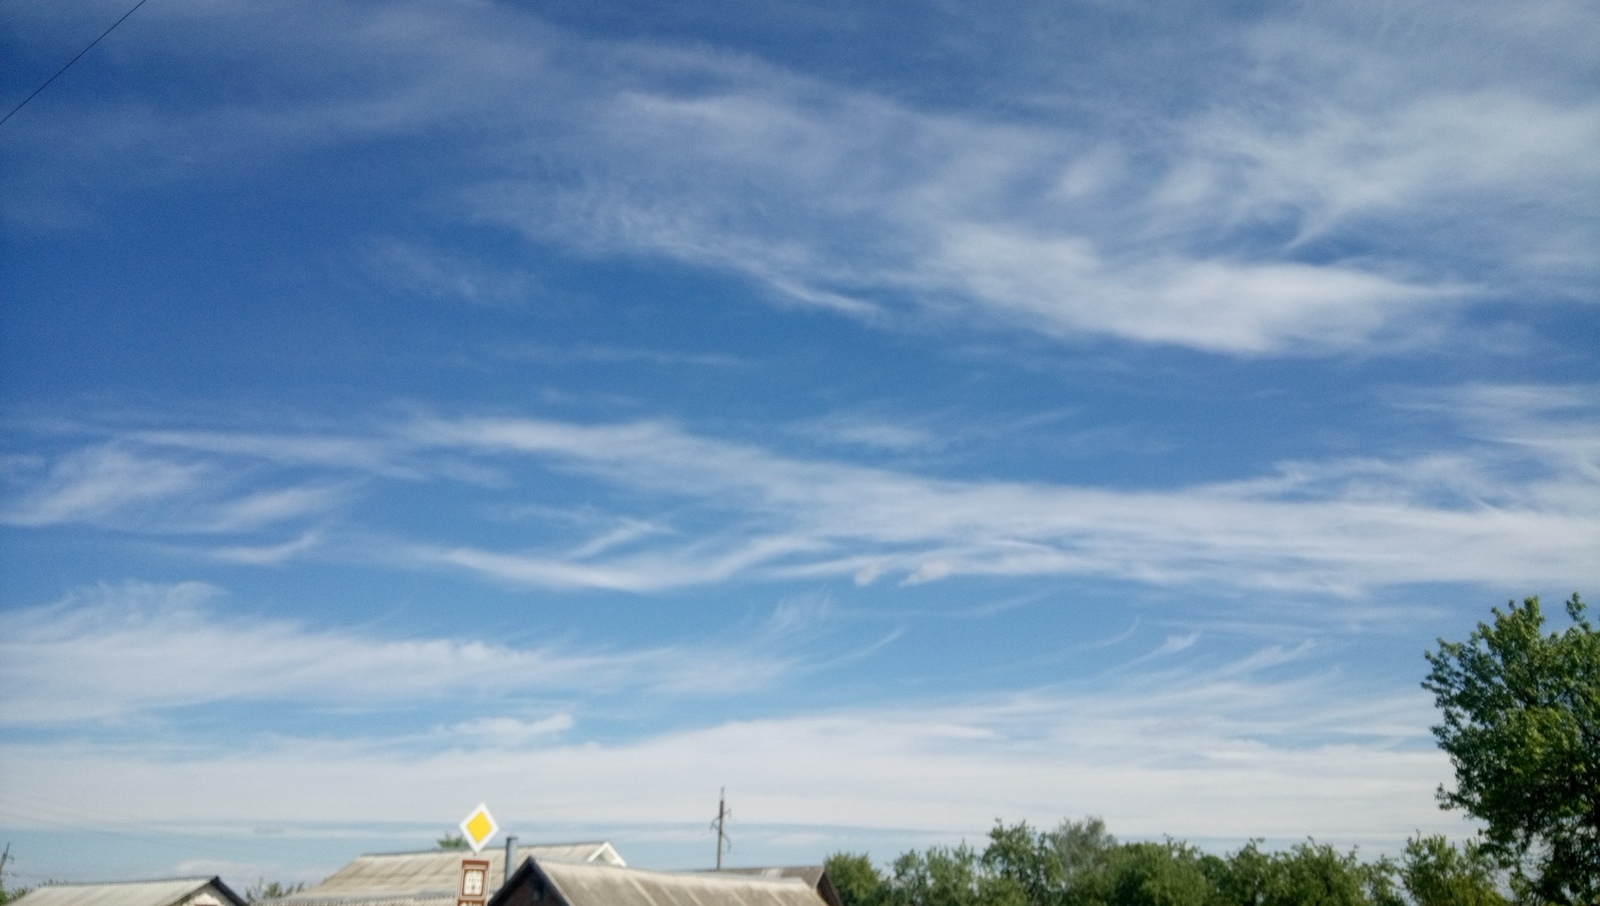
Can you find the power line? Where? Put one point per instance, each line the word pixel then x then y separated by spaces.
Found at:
pixel 71 61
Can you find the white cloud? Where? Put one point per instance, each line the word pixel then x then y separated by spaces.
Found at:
pixel 376 455
pixel 268 554
pixel 509 731
pixel 102 483
pixel 1063 285
pixel 127 485
pixel 113 651
pixel 423 271
pixel 1191 753
pixel 261 508
pixel 1195 233
pixel 1516 507
pixel 1058 270
pixel 1342 526
pixel 866 432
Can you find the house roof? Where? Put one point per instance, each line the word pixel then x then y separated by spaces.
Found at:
pixel 430 877
pixel 587 884
pixel 810 874
pixel 174 892
pixel 815 875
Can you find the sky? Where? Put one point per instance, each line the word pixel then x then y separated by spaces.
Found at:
pixel 905 416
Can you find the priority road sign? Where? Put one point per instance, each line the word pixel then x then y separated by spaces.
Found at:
pixel 478 827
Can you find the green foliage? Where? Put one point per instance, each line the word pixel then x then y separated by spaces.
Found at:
pixel 856 880
pixel 263 890
pixel 452 841
pixel 1436 873
pixel 1309 873
pixel 1521 723
pixel 7 896
pixel 1027 862
pixel 1319 875
pixel 1082 847
pixel 1080 864
pixel 950 877
pixel 1147 874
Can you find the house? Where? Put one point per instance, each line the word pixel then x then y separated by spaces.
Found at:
pixel 431 878
pixel 538 882
pixel 176 892
pixel 815 875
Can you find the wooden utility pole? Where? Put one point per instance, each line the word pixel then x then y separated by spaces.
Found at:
pixel 721 824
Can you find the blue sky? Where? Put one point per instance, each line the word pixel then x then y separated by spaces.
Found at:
pixel 904 416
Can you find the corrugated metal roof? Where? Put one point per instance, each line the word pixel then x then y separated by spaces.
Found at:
pixel 428 878
pixel 177 892
pixel 810 874
pixel 815 875
pixel 592 885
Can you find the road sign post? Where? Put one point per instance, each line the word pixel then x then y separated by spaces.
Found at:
pixel 478 828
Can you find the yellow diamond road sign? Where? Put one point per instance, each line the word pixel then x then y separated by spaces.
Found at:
pixel 478 827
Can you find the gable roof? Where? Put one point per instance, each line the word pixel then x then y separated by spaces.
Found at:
pixel 587 884
pixel 430 877
pixel 173 892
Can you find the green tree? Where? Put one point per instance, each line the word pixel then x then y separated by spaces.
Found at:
pixel 1309 874
pixel 1148 874
pixel 1436 873
pixel 1082 847
pixel 1243 878
pixel 1028 861
pixel 856 880
pixel 1313 874
pixel 15 893
pixel 1521 723
pixel 451 841
pixel 263 890
pixel 940 877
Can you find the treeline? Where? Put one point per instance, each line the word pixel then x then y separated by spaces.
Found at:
pixel 1080 864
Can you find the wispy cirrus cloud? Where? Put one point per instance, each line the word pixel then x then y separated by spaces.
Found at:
pixel 114 651
pixel 134 486
pixel 1227 751
pixel 1239 223
pixel 99 483
pixel 1341 526
pixel 429 272
pixel 1516 506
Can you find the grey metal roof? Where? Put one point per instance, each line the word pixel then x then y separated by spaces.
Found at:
pixel 175 892
pixel 429 878
pixel 592 885
pixel 810 874
pixel 815 875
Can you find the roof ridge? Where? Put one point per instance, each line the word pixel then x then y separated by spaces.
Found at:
pixel 520 845
pixel 736 877
pixel 199 879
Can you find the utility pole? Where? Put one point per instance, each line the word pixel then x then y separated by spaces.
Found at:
pixel 721 824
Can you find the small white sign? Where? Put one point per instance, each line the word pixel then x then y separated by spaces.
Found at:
pixel 478 827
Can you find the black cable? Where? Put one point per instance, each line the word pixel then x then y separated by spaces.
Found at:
pixel 71 61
